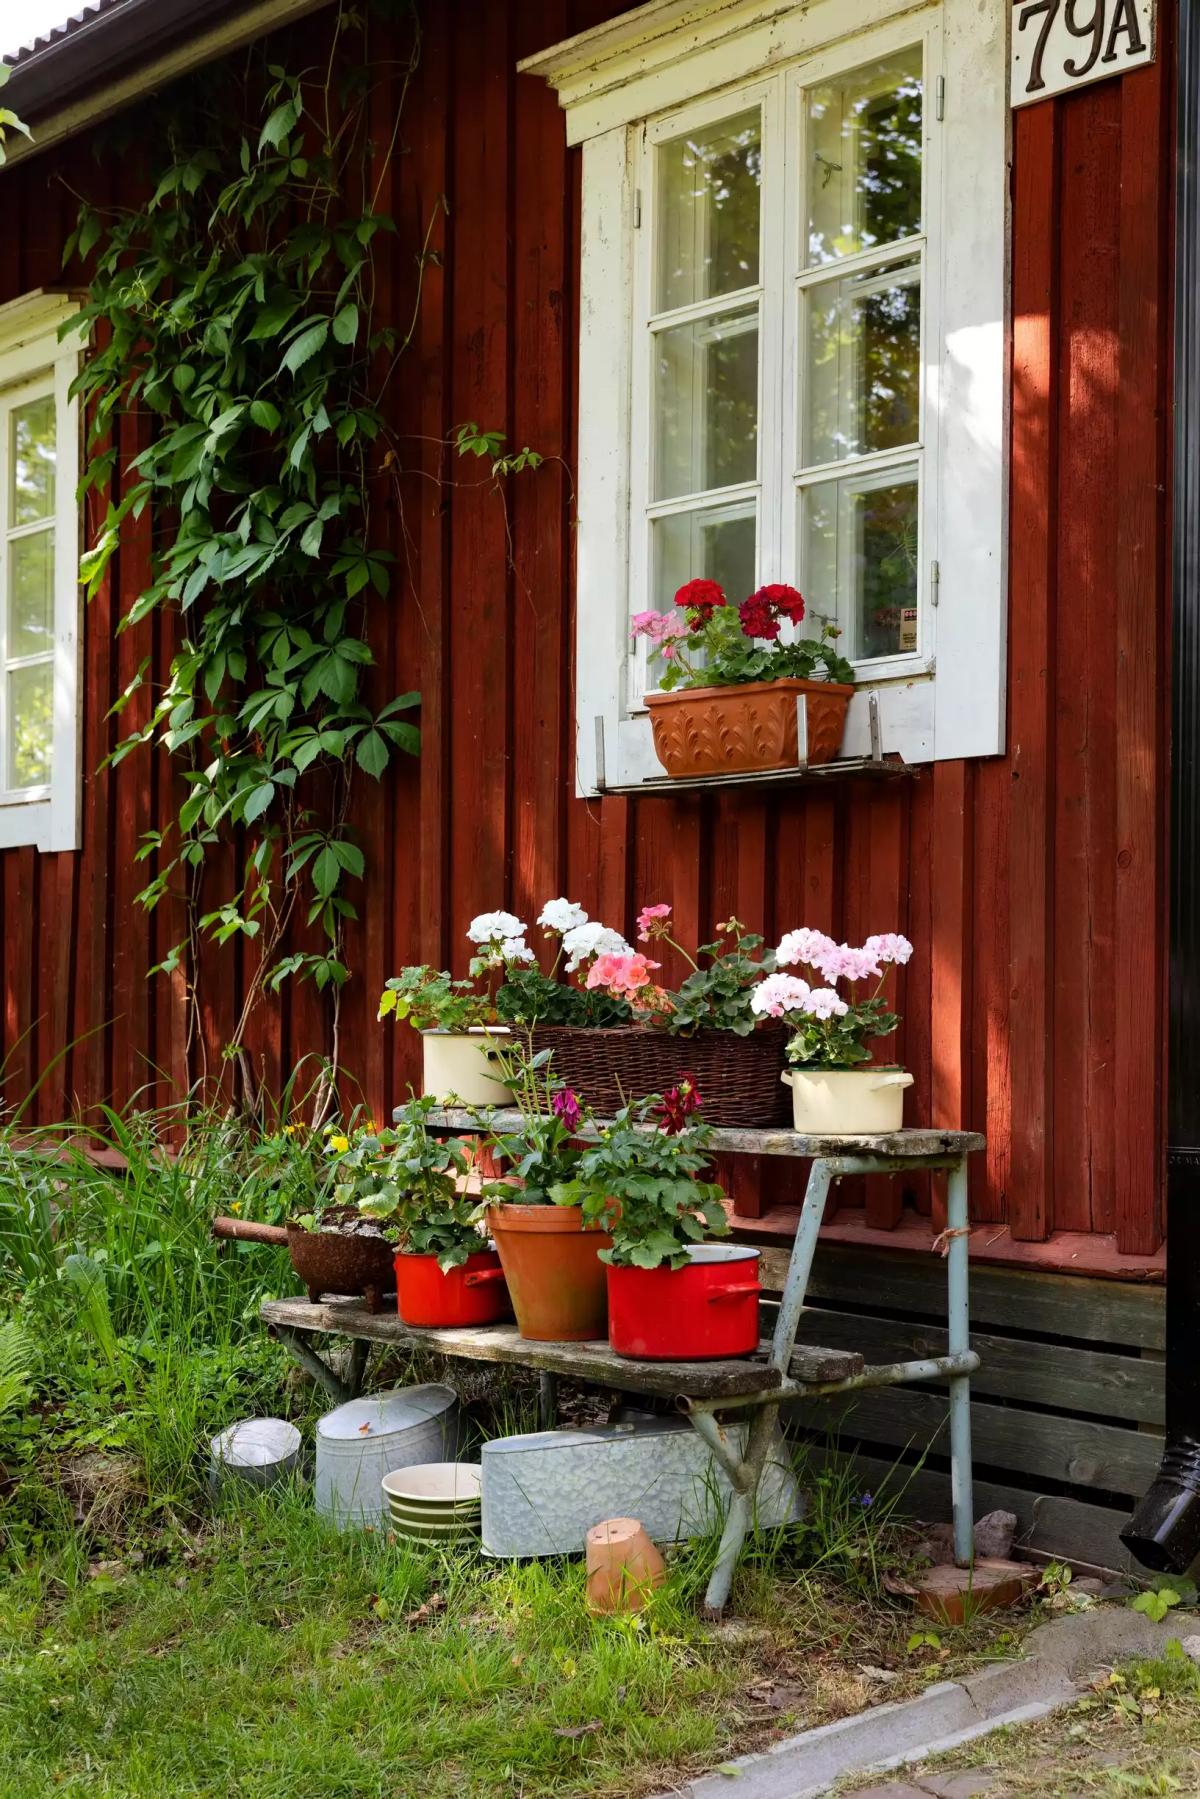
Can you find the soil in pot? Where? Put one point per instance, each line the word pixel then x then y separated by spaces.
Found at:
pixel 726 730
pixel 700 1313
pixel 556 1279
pixel 431 1298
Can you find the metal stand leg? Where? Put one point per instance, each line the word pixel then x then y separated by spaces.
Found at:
pixel 800 1266
pixel 744 1474
pixel 298 1344
pixel 360 1349
pixel 547 1401
pixel 960 1384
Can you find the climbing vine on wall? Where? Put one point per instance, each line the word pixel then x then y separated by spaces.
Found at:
pixel 236 311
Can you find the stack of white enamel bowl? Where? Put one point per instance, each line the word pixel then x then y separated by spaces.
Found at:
pixel 437 1506
pixel 367 1438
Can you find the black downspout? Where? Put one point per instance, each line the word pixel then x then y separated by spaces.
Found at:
pixel 1164 1532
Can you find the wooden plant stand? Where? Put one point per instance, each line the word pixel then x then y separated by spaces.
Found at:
pixel 755 1386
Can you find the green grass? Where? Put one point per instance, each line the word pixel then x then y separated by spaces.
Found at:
pixel 279 1661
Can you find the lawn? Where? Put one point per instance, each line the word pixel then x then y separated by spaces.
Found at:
pixel 156 1640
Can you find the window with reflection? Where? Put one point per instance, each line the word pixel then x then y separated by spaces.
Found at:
pixel 783 306
pixel 28 505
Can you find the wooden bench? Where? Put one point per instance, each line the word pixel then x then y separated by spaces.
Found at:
pixel 756 1385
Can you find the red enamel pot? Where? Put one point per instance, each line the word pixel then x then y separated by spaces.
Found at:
pixel 474 1293
pixel 698 1313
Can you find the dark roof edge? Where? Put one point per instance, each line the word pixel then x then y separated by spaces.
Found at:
pixel 95 47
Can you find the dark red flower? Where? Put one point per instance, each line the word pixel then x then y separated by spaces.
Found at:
pixel 785 600
pixel 758 616
pixel 565 1105
pixel 700 599
pixel 678 1104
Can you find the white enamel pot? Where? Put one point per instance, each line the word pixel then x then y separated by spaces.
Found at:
pixel 462 1064
pixel 847 1102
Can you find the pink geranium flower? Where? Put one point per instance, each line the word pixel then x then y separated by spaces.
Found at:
pixel 624 976
pixel 653 921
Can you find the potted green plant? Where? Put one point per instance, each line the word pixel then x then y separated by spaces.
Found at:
pixel 458 1030
pixel 672 1294
pixel 837 1091
pixel 548 1249
pixel 732 677
pixel 414 1185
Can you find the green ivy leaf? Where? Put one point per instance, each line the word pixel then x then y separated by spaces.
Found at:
pixel 264 414
pixel 371 753
pixel 303 348
pixel 345 324
pixel 259 799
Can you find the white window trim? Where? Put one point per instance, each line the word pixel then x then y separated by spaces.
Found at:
pixel 33 357
pixel 615 83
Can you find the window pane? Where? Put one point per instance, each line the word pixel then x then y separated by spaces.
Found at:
pixel 32 427
pixel 706 404
pixel 30 594
pixel 707 216
pixel 864 158
pixel 717 542
pixel 860 564
pixel 30 724
pixel 863 361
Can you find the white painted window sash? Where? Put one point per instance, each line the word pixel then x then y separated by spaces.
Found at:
pixel 35 363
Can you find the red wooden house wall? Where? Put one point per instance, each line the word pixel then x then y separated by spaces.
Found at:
pixel 1032 884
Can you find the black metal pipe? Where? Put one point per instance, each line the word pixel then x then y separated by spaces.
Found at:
pixel 1164 1531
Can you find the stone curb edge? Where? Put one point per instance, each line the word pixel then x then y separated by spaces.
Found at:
pixel 1056 1657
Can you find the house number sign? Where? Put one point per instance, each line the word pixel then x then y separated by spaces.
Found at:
pixel 1061 44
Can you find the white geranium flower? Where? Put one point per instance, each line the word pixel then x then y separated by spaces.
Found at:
pixel 592 939
pixel 495 927
pixel 515 949
pixel 561 916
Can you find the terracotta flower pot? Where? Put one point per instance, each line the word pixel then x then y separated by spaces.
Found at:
pixel 623 1566
pixel 556 1280
pixel 726 730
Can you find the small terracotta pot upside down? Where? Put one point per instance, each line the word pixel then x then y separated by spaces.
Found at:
pixel 556 1279
pixel 623 1566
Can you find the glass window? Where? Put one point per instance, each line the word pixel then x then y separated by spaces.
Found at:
pixel 27 548
pixel 860 361
pixel 771 385
pixel 864 158
pixel 704 366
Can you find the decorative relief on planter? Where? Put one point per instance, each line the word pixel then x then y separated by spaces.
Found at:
pixel 724 730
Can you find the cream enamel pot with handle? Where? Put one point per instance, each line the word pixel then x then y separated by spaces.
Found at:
pixel 847 1102
pixel 462 1065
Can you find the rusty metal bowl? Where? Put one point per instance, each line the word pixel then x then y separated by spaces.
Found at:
pixel 328 1260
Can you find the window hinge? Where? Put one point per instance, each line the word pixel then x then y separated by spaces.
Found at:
pixel 939 97
pixel 637 209
pixel 935 582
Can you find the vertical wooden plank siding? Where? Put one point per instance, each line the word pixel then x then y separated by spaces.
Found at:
pixel 1032 580
pixel 1031 884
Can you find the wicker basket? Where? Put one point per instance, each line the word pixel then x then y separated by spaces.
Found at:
pixel 738 1077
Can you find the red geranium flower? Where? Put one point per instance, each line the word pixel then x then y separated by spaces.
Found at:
pixel 785 600
pixel 758 616
pixel 700 599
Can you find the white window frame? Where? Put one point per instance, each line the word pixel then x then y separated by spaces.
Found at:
pixel 34 361
pixel 666 66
